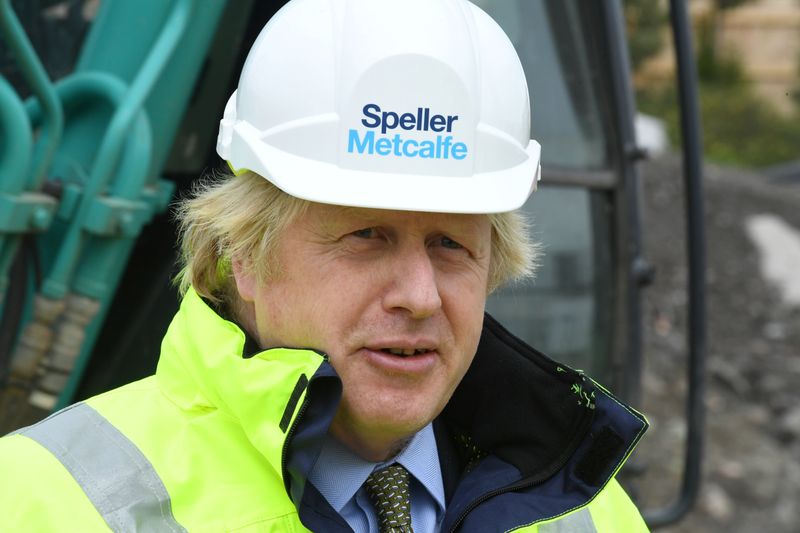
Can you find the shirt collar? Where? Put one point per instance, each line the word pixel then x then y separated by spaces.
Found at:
pixel 339 473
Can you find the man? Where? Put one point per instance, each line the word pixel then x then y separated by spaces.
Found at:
pixel 331 367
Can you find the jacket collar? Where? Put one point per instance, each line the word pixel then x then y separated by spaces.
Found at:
pixel 523 423
pixel 204 366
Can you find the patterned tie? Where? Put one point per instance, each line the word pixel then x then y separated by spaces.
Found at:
pixel 388 490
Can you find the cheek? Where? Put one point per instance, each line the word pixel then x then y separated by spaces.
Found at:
pixel 282 315
pixel 313 314
pixel 466 292
pixel 464 307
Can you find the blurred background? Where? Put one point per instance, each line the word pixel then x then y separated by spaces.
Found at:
pixel 112 112
pixel 748 64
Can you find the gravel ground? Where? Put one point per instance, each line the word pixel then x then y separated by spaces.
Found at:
pixel 752 458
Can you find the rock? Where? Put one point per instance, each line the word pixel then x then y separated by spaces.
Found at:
pixel 732 469
pixel 778 244
pixel 790 422
pixel 717 503
pixel 775 331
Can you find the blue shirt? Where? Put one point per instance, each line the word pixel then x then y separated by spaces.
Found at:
pixel 339 475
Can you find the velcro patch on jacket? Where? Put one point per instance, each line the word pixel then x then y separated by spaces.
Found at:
pixel 605 448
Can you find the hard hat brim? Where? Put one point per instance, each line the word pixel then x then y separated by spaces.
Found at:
pixel 486 192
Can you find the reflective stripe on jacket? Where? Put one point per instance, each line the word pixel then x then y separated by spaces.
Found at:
pixel 222 440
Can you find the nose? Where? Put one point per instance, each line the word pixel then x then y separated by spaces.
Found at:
pixel 413 288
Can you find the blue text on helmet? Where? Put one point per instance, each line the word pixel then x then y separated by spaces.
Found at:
pixel 441 147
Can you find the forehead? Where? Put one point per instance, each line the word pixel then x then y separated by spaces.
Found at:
pixel 335 217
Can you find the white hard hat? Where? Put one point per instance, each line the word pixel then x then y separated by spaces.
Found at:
pixel 397 104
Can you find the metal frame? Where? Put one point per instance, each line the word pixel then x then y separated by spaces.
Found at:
pixel 695 241
pixel 603 179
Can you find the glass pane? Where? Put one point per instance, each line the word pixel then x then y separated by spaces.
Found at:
pixel 566 111
pixel 565 310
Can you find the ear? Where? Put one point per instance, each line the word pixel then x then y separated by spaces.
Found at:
pixel 245 279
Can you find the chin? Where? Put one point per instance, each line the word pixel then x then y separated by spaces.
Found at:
pixel 392 417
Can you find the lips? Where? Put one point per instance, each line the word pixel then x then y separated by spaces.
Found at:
pixel 405 352
pixel 403 357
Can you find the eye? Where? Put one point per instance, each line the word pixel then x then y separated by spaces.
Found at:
pixel 365 233
pixel 447 242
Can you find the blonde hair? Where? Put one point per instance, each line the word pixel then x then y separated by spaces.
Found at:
pixel 244 216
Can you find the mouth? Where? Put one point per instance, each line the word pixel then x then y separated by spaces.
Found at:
pixel 405 352
pixel 406 360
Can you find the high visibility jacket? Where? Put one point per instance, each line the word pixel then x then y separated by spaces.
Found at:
pixel 222 439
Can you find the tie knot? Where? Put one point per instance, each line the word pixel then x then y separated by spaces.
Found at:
pixel 388 490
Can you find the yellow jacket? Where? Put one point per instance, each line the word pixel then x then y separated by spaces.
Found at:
pixel 221 440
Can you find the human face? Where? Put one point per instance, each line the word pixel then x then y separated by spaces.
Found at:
pixel 395 299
